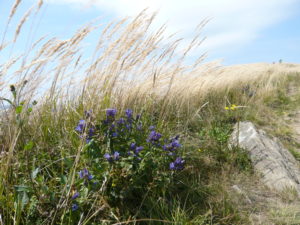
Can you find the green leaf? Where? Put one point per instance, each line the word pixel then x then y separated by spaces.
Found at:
pixel 63 179
pixel 29 146
pixel 19 109
pixel 85 192
pixel 7 100
pixel 29 110
pixel 24 200
pixel 35 172
pixel 22 188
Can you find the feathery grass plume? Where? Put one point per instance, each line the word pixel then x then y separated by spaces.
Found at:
pixel 21 23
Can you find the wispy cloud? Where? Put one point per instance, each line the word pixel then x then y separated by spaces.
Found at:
pixel 233 24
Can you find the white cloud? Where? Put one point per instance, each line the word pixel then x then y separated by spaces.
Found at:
pixel 234 22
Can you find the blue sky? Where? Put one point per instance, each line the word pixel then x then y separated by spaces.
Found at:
pixel 245 31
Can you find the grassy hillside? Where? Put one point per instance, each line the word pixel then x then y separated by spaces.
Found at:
pixel 133 134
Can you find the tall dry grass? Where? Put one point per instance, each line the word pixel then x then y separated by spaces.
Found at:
pixel 131 64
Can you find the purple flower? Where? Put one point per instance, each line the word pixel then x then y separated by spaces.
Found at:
pixel 108 157
pixel 88 113
pixel 112 126
pixel 154 137
pixel 132 146
pixel 90 134
pixel 81 126
pixel 173 145
pixel 84 174
pixel 113 157
pixel 116 156
pixel 111 112
pixel 121 121
pixel 129 126
pixel 114 134
pixel 178 164
pixel 138 116
pixel 138 149
pixel 128 113
pixel 74 207
pixel 152 128
pixel 176 137
pixel 139 126
pixel 76 195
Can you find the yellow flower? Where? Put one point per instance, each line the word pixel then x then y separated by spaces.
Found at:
pixel 231 107
pixel 199 150
pixel 113 185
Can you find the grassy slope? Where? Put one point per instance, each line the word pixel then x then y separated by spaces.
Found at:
pixel 41 153
pixel 206 195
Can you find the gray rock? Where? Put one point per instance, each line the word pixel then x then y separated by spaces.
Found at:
pixel 278 167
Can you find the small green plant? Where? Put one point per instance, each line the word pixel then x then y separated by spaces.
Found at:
pixel 17 104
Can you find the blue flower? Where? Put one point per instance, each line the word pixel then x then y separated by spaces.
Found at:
pixel 113 157
pixel 88 113
pixel 76 195
pixel 111 112
pixel 152 128
pixel 121 121
pixel 178 164
pixel 138 116
pixel 128 113
pixel 116 156
pixel 138 149
pixel 139 126
pixel 90 134
pixel 74 207
pixel 154 137
pixel 128 126
pixel 84 174
pixel 173 145
pixel 132 146
pixel 108 157
pixel 81 126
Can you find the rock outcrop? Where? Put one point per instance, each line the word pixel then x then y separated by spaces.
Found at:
pixel 278 167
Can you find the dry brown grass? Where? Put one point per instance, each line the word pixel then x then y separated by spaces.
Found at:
pixel 131 64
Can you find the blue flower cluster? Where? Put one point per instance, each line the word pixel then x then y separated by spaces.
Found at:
pixel 85 174
pixel 154 137
pixel 172 146
pixel 81 128
pixel 178 164
pixel 125 141
pixel 75 205
pixel 135 150
pixel 112 157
